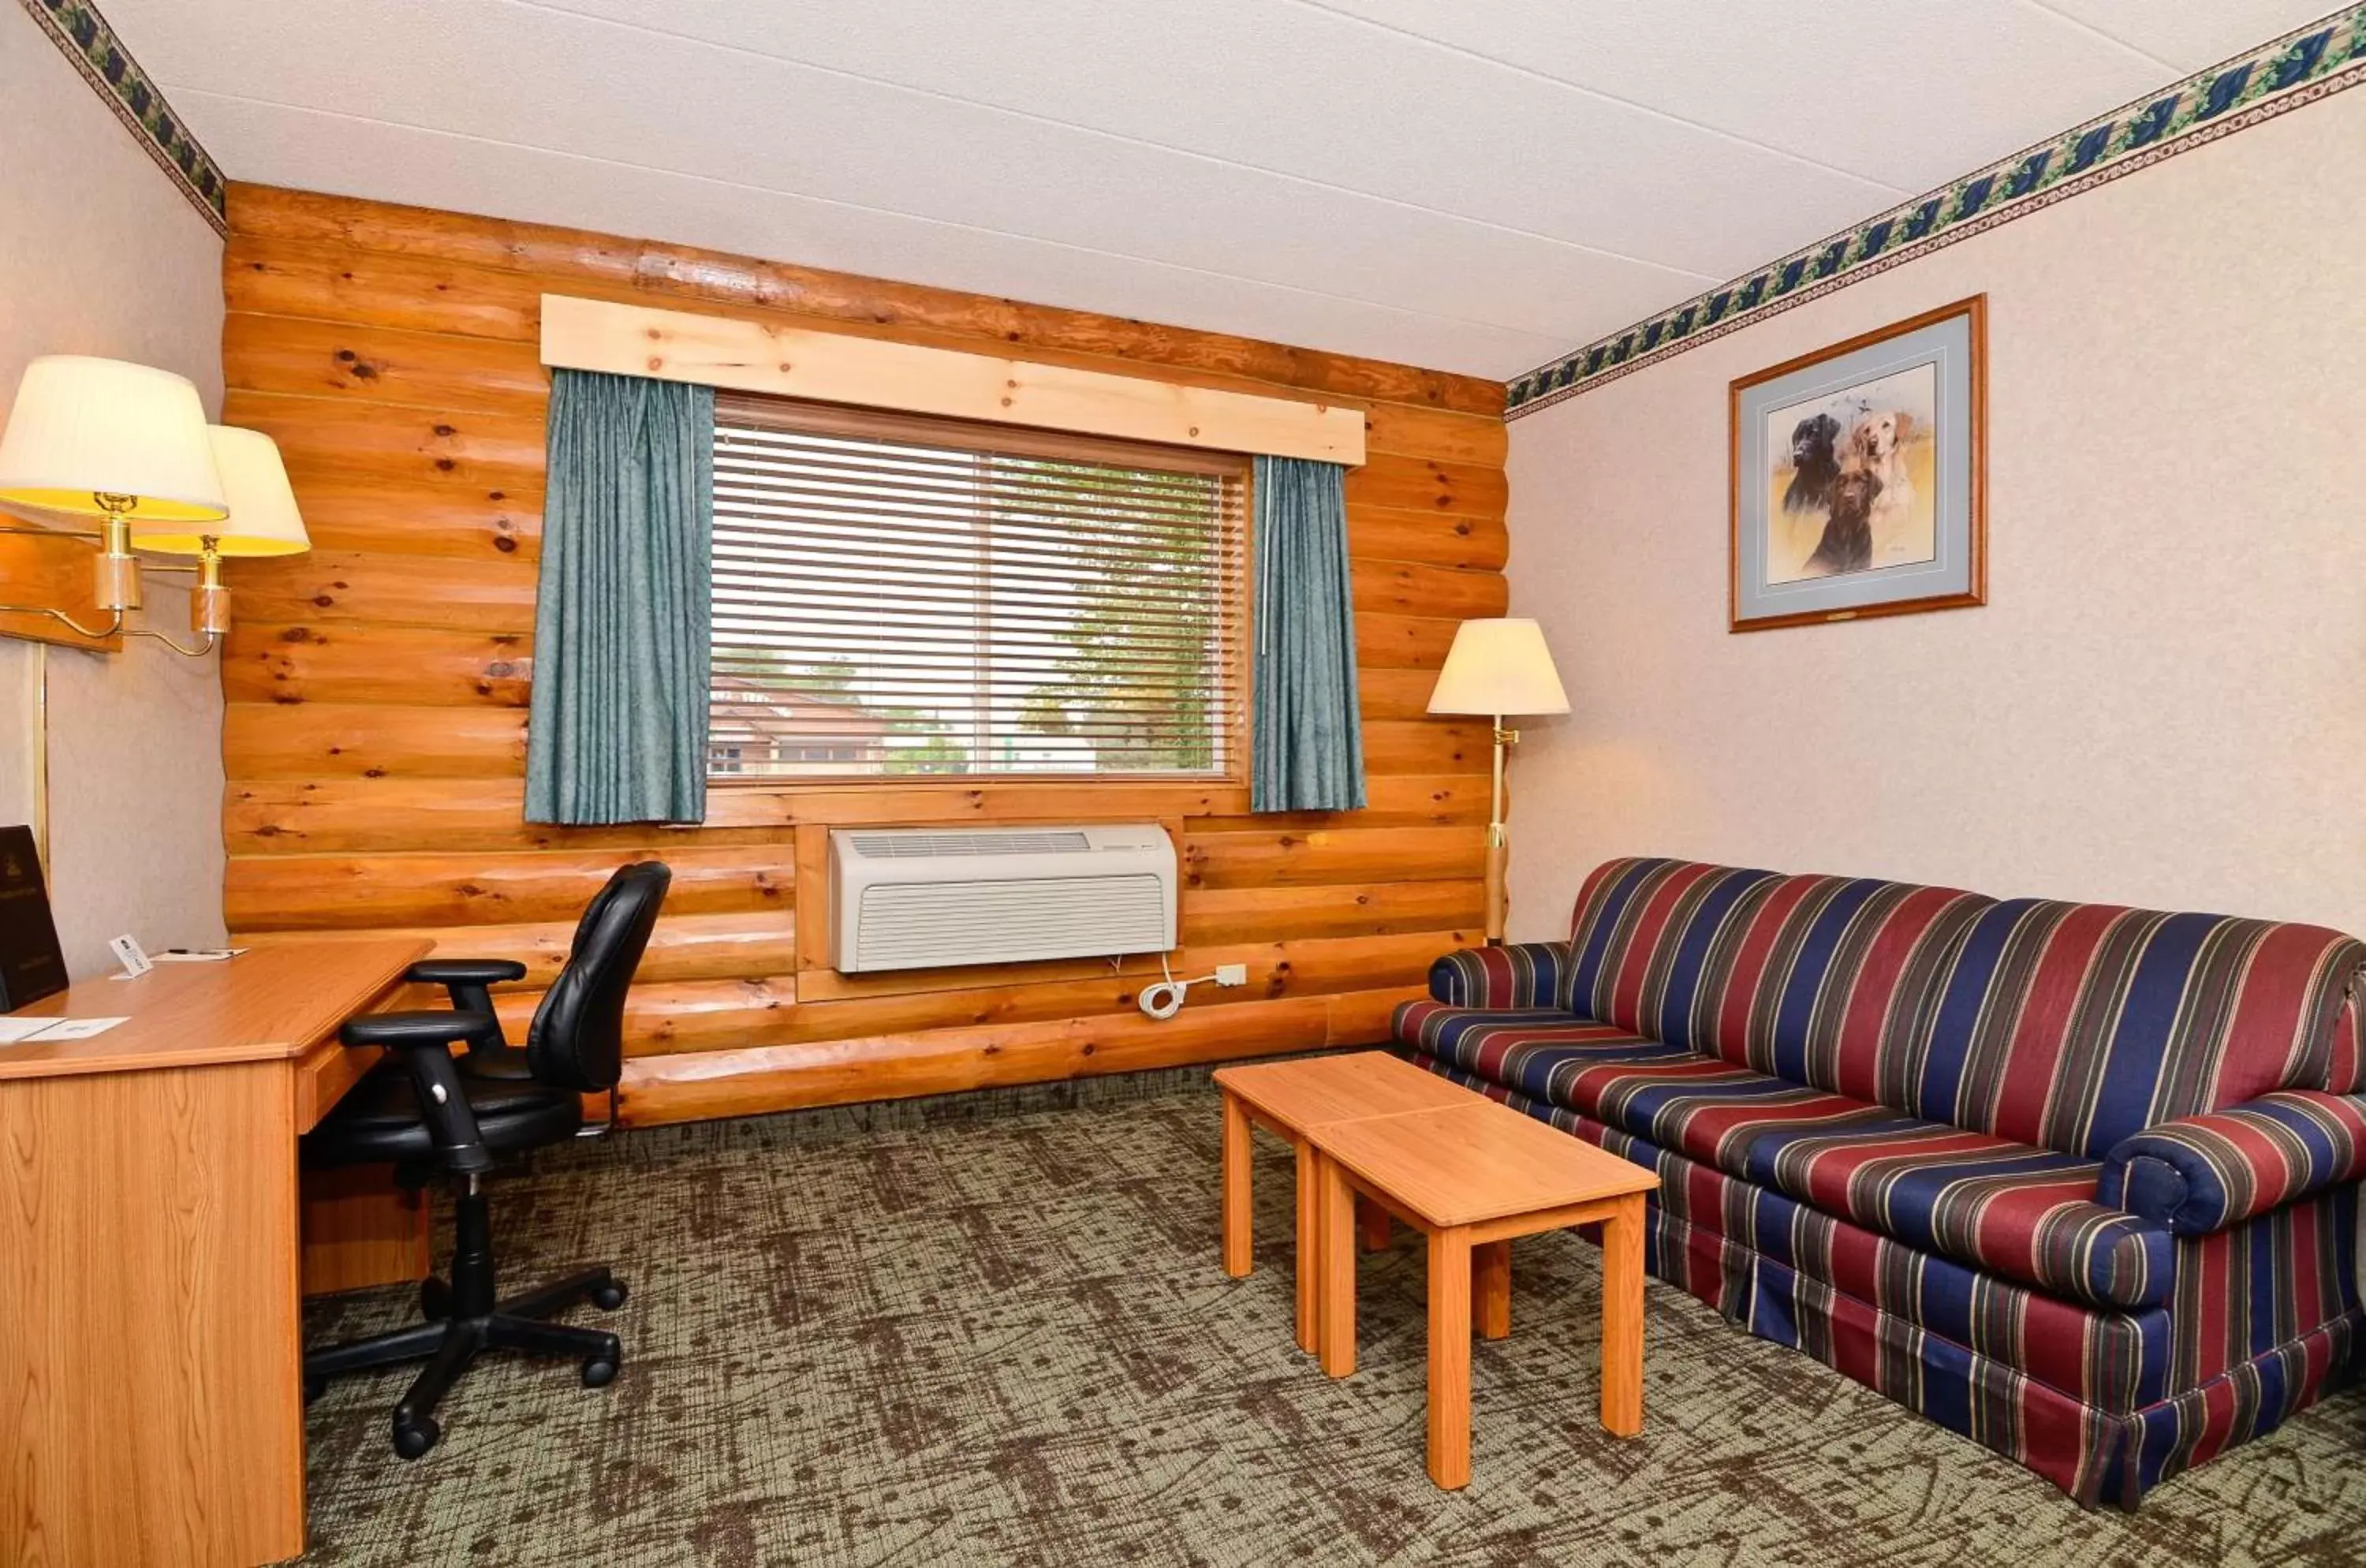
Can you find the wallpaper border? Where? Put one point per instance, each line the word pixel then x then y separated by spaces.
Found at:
pixel 2300 67
pixel 84 37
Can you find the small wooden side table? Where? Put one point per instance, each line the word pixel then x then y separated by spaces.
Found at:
pixel 1289 1099
pixel 1471 1177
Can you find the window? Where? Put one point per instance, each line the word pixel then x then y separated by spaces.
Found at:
pixel 901 596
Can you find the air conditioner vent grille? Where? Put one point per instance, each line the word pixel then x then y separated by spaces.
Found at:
pixel 915 924
pixel 925 846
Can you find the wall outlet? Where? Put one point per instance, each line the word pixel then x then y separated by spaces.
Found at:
pixel 1232 974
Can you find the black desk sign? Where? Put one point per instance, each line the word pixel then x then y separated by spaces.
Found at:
pixel 31 966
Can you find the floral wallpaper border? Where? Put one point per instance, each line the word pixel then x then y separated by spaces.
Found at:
pixel 2300 67
pixel 86 40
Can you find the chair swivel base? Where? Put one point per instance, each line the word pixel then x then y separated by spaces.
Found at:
pixel 448 1344
pixel 465 1319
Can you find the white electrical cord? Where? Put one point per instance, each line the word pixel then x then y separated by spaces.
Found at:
pixel 1166 999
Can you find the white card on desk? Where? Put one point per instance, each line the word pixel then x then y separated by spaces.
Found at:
pixel 70 1028
pixel 16 1028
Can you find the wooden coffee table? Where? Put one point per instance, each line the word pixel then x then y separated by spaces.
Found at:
pixel 1291 1098
pixel 1470 1176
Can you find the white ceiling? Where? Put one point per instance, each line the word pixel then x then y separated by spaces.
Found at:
pixel 1472 187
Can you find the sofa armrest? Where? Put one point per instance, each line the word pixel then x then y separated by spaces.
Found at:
pixel 1523 975
pixel 2199 1174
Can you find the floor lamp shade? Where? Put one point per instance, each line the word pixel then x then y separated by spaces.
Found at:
pixel 1498 667
pixel 103 438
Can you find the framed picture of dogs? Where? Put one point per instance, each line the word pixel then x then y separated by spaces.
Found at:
pixel 1860 483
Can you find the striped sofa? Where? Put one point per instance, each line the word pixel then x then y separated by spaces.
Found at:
pixel 2080 1182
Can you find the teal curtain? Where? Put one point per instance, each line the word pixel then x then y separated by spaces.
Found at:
pixel 618 730
pixel 1308 750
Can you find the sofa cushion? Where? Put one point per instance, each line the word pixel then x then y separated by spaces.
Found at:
pixel 1827 981
pixel 2026 1213
pixel 1517 1045
pixel 2073 1026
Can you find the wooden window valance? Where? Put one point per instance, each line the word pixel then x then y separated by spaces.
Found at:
pixel 738 354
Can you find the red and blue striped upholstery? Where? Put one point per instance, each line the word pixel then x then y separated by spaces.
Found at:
pixel 2204 1173
pixel 1521 975
pixel 2076 1025
pixel 2068 1026
pixel 2077 1181
pixel 2264 1319
pixel 2027 1213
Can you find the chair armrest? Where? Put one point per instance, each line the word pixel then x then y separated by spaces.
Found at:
pixel 466 982
pixel 466 971
pixel 426 1040
pixel 1523 975
pixel 2200 1174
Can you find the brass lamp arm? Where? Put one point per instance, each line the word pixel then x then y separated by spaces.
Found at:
pixel 205 646
pixel 114 624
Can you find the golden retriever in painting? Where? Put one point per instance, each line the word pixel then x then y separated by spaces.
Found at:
pixel 1876 446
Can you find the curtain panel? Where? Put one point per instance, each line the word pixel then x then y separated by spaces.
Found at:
pixel 1307 751
pixel 618 721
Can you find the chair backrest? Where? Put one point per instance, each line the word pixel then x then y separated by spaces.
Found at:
pixel 2070 1026
pixel 577 1040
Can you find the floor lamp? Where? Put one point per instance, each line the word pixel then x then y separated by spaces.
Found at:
pixel 1498 667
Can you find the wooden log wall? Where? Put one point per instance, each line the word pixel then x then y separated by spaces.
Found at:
pixel 376 687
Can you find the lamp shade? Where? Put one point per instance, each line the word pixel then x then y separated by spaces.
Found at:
pixel 262 518
pixel 1498 667
pixel 82 429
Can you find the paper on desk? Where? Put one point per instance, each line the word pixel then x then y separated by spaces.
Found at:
pixel 17 1031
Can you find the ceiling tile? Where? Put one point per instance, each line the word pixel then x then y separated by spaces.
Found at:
pixel 2191 37
pixel 1908 95
pixel 314 151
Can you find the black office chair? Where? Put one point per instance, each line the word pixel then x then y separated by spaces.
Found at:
pixel 431 1111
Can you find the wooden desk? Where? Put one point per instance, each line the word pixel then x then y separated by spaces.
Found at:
pixel 152 1404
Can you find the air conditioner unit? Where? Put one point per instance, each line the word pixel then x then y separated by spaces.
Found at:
pixel 922 897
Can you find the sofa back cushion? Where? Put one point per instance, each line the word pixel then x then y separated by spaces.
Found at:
pixel 2073 1026
pixel 1826 981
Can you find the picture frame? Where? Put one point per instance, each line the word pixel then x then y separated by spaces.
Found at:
pixel 1859 477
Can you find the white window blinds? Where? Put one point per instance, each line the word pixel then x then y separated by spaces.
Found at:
pixel 905 596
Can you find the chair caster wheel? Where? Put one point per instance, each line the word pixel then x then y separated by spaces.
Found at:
pixel 599 1374
pixel 434 1299
pixel 610 1296
pixel 412 1439
pixel 314 1388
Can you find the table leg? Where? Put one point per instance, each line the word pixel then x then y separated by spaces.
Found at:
pixel 1491 1268
pixel 1338 1270
pixel 1237 1159
pixel 1622 1319
pixel 1309 1248
pixel 1449 1358
pixel 1371 1225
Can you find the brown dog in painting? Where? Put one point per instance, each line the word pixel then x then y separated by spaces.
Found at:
pixel 1876 446
pixel 1847 544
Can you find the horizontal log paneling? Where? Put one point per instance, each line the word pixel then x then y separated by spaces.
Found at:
pixel 374 737
pixel 367 892
pixel 1330 857
pixel 555 256
pixel 360 815
pixel 1391 533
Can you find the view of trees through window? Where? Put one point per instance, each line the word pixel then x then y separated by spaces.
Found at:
pixel 886 604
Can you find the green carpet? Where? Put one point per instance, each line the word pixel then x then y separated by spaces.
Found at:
pixel 993 1331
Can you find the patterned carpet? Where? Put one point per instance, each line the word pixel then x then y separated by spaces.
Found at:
pixel 993 1331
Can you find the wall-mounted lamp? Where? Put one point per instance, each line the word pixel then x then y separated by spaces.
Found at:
pixel 129 445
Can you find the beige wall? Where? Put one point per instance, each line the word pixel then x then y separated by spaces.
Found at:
pixel 99 254
pixel 2163 701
